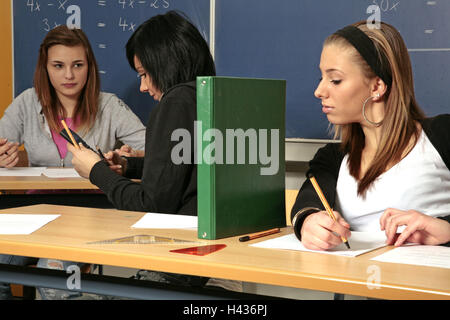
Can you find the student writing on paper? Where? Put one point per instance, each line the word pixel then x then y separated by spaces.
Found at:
pixel 392 166
pixel 66 86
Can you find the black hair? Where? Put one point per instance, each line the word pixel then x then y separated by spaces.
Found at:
pixel 171 50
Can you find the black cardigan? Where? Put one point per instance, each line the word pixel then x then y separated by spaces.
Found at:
pixel 327 161
pixel 165 187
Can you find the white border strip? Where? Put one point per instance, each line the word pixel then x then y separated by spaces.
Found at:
pixel 212 27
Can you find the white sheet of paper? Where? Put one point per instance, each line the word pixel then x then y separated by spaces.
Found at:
pixel 61 173
pixel 24 223
pixel 360 242
pixel 22 171
pixel 166 221
pixel 422 255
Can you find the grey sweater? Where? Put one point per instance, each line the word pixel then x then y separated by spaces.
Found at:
pixel 24 122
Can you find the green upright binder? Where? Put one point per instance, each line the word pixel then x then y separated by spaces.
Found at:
pixel 240 136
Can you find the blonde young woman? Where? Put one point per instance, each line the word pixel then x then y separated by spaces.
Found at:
pixel 392 168
pixel 66 86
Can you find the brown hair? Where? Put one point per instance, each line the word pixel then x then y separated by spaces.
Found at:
pixel 401 109
pixel 87 107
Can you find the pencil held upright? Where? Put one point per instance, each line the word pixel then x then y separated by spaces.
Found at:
pixel 70 134
pixel 325 204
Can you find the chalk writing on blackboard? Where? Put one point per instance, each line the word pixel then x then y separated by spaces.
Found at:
pixel 126 26
pixel 71 14
pixel 152 3
pixel 387 5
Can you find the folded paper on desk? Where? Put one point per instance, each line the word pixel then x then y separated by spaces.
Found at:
pixel 421 255
pixel 361 242
pixel 22 171
pixel 24 223
pixel 38 171
pixel 166 221
pixel 61 173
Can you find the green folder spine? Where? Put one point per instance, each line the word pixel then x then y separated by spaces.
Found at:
pixel 234 198
pixel 205 173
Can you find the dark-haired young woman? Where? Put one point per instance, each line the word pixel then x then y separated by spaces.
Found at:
pixel 168 53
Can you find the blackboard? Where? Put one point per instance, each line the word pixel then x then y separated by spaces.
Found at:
pixel 108 25
pixel 282 39
pixel 279 39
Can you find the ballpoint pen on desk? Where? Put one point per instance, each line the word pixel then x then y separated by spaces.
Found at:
pixel 325 203
pixel 259 234
pixel 70 134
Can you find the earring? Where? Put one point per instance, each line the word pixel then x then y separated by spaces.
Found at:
pixel 376 124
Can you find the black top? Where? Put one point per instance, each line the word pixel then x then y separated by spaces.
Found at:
pixel 165 187
pixel 327 161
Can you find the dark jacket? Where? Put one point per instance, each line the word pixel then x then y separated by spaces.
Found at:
pixel 165 187
pixel 327 161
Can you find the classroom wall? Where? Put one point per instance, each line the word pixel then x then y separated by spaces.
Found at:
pixel 6 79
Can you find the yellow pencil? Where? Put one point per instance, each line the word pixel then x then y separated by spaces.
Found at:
pixel 70 134
pixel 325 203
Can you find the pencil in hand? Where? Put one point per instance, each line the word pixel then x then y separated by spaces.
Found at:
pixel 70 134
pixel 101 153
pixel 325 203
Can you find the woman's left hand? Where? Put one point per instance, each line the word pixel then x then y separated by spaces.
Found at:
pixel 83 159
pixel 420 228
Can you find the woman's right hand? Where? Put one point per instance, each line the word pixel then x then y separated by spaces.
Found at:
pixel 127 151
pixel 9 153
pixel 320 232
pixel 116 162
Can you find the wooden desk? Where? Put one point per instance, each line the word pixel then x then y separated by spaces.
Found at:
pixel 66 238
pixel 44 183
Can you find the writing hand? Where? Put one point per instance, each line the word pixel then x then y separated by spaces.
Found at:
pixel 320 232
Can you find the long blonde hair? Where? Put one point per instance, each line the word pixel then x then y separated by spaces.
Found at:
pixel 401 109
pixel 87 107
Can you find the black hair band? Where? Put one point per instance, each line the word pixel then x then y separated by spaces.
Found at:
pixel 366 48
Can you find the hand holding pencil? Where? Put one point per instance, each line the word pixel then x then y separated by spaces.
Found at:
pixel 324 230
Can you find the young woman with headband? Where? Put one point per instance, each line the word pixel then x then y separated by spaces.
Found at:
pixel 392 167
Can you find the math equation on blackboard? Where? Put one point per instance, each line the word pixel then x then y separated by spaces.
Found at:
pixel 53 13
